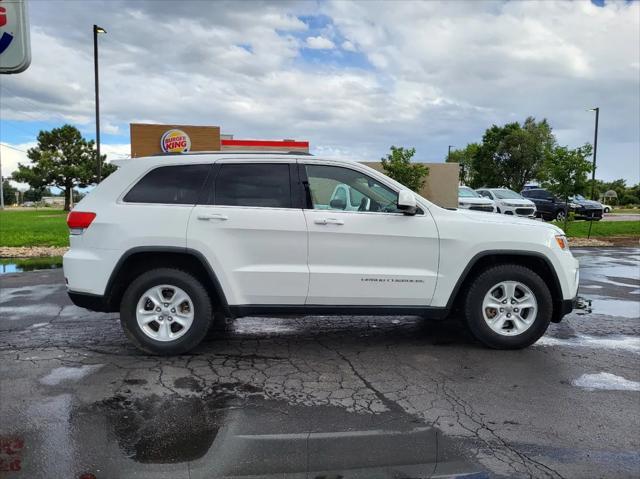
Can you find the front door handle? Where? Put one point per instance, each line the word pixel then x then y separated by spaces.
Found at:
pixel 329 221
pixel 213 217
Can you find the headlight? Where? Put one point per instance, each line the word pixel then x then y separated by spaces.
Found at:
pixel 562 242
pixel 574 205
pixel 512 205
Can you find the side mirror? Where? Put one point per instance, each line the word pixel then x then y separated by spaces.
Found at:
pixel 407 202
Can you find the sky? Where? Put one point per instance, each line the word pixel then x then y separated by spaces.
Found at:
pixel 353 78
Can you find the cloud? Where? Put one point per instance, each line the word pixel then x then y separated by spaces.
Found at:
pixel 12 154
pixel 319 43
pixel 428 74
pixel 348 46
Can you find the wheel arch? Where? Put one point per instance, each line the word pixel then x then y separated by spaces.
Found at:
pixel 137 260
pixel 533 260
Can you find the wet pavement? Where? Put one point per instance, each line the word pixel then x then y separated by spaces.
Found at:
pixel 322 397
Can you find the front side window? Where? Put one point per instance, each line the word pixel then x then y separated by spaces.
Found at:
pixel 264 185
pixel 365 193
pixel 179 185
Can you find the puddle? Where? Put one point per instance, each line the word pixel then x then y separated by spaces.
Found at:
pixel 19 265
pixel 625 343
pixel 615 307
pixel 67 374
pixel 606 381
pixel 218 434
pixel 164 430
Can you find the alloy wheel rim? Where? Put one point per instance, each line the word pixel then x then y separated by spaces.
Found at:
pixel 164 312
pixel 509 308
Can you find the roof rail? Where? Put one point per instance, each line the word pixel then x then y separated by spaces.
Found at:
pixel 234 152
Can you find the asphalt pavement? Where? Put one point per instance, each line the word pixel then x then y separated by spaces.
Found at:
pixel 321 397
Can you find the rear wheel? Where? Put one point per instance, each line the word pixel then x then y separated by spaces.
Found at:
pixel 508 307
pixel 165 311
pixel 560 215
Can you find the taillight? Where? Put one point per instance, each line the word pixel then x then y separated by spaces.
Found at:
pixel 77 221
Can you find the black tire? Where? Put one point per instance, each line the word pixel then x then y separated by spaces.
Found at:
pixel 479 288
pixel 560 214
pixel 202 311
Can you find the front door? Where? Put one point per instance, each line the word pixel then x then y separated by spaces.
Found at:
pixel 374 255
pixel 252 235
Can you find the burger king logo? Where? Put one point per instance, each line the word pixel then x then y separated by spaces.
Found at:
pixel 175 141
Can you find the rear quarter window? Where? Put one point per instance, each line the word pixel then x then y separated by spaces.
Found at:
pixel 178 185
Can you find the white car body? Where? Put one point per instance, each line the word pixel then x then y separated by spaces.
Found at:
pixel 468 199
pixel 277 260
pixel 517 206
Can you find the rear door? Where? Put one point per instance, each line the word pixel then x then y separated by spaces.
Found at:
pixel 375 255
pixel 251 228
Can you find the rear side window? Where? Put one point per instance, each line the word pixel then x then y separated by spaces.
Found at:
pixel 253 184
pixel 179 185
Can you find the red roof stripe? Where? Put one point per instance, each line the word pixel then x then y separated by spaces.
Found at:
pixel 282 143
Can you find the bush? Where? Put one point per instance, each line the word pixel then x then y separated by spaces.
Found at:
pixel 629 199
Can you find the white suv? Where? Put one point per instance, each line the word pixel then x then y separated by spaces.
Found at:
pixel 509 202
pixel 470 200
pixel 173 241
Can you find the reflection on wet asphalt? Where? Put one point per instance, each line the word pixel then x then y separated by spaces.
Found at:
pixel 322 397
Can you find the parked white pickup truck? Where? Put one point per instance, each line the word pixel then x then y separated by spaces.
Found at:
pixel 170 241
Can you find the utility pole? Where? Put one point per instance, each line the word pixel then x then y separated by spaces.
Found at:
pixel 595 153
pixel 96 30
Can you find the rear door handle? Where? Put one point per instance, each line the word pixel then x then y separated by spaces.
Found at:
pixel 208 217
pixel 328 221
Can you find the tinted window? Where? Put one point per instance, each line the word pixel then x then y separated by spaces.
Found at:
pixel 170 185
pixel 370 194
pixel 253 184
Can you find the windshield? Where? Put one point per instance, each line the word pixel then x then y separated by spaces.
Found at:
pixel 507 195
pixel 580 198
pixel 467 193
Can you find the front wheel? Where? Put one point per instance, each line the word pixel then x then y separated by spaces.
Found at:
pixel 165 311
pixel 508 307
pixel 560 215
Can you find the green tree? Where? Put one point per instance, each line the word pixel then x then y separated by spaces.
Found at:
pixel 36 194
pixel 512 155
pixel 398 166
pixel 464 158
pixel 64 159
pixel 8 193
pixel 566 171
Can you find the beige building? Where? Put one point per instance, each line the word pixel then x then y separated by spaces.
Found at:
pixel 441 185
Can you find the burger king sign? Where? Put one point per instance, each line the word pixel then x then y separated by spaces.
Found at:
pixel 175 141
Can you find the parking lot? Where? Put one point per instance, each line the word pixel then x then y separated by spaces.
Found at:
pixel 322 397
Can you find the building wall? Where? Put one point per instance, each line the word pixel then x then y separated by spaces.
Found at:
pixel 441 185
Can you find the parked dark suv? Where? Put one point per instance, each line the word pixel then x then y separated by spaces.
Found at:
pixel 549 207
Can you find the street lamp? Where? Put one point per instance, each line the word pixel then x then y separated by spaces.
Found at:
pixel 449 154
pixel 96 31
pixel 595 152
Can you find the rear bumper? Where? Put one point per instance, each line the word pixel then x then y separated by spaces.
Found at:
pixel 568 305
pixel 92 302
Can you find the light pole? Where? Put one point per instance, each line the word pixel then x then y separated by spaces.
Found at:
pixel 595 153
pixel 96 30
pixel 449 154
